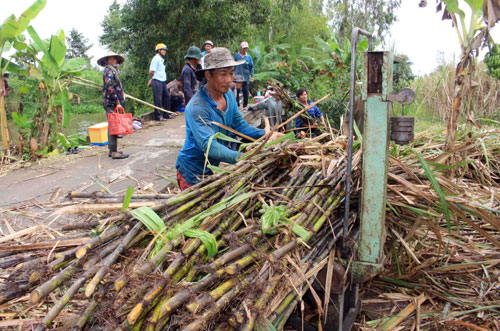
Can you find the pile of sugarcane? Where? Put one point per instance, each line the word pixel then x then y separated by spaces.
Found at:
pixel 275 217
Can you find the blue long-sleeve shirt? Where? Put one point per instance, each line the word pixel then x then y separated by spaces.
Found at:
pixel 313 112
pixel 200 112
pixel 245 69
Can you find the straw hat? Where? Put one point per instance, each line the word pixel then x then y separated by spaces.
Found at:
pixel 218 58
pixel 103 60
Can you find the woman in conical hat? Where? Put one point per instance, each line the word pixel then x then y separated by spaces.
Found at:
pixel 113 95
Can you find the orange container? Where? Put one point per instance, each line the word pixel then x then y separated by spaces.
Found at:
pixel 98 134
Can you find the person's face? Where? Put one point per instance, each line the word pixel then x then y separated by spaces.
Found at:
pixel 238 84
pixel 208 48
pixel 220 79
pixel 112 61
pixel 179 84
pixel 163 52
pixel 303 97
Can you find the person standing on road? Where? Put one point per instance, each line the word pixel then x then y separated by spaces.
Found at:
pixel 214 102
pixel 245 70
pixel 207 46
pixel 188 76
pixel 158 82
pixel 113 96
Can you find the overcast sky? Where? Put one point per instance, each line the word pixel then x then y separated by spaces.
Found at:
pixel 419 32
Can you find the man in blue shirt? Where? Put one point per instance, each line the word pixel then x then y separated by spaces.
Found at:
pixel 158 82
pixel 246 70
pixel 214 102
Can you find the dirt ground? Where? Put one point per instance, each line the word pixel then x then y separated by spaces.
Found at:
pixel 29 195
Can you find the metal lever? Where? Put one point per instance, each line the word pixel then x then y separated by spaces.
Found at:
pixel 405 96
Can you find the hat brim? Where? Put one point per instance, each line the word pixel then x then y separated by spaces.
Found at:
pixel 189 56
pixel 103 60
pixel 200 73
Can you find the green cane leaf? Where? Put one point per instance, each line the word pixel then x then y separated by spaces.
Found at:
pixel 127 198
pixel 206 238
pixel 437 188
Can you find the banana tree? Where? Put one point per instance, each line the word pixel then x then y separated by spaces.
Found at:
pixel 48 75
pixel 472 34
pixel 9 31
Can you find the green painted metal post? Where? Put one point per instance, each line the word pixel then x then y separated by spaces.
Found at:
pixel 377 85
pixel 375 154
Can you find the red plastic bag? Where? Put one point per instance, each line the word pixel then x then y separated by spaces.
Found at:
pixel 120 122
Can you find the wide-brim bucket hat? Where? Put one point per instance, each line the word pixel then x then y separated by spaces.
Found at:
pixel 193 53
pixel 103 60
pixel 218 58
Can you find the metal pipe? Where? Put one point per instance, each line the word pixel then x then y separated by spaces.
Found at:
pixel 354 43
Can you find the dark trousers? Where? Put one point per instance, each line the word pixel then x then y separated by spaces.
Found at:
pixel 161 98
pixel 244 89
pixel 176 103
pixel 112 139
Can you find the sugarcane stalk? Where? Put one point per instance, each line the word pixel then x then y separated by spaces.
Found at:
pixel 47 287
pixel 260 303
pixel 242 263
pixel 228 256
pixel 200 323
pixel 91 286
pixel 86 315
pixel 103 237
pixel 283 250
pixel 102 195
pixel 139 309
pixel 149 266
pixel 160 312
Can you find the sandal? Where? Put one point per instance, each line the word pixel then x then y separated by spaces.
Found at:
pixel 110 153
pixel 118 156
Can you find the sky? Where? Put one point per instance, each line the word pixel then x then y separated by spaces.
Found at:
pixel 418 33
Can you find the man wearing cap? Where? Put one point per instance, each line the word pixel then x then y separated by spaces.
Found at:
pixel 214 102
pixel 113 95
pixel 245 70
pixel 158 82
pixel 207 46
pixel 188 76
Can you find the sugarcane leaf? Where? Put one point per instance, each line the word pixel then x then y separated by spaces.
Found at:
pixel 206 238
pixel 215 209
pixel 420 211
pixel 127 198
pixel 289 136
pixel 441 167
pixel 391 207
pixel 268 327
pixel 149 218
pixel 359 136
pixel 271 218
pixel 439 191
pixel 216 169
pixel 98 182
pixel 485 152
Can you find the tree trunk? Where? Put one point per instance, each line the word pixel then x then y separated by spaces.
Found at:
pixel 3 119
pixel 452 126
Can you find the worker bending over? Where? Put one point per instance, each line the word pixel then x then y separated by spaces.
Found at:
pixel 214 102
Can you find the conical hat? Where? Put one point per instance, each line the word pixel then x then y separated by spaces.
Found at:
pixel 102 60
